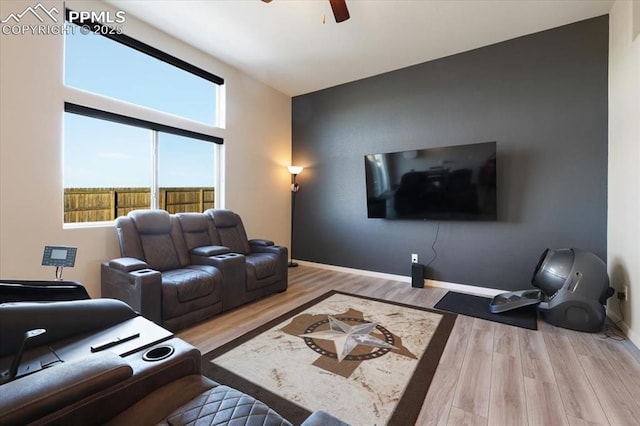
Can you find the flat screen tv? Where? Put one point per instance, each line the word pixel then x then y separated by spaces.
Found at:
pixel 445 183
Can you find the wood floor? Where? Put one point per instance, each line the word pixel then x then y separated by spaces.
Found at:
pixel 489 373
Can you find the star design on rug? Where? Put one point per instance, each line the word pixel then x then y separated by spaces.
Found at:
pixel 347 337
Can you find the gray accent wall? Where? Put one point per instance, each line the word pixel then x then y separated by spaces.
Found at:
pixel 542 97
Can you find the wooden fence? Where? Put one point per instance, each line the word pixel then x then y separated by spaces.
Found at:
pixel 105 204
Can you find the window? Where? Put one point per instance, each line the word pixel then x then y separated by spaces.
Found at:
pixel 99 65
pixel 185 173
pixel 152 146
pixel 184 161
pixel 99 153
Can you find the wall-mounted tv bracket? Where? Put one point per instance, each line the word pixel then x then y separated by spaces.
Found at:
pixel 59 256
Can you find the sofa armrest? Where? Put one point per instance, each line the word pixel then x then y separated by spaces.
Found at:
pixel 31 397
pixel 140 288
pixel 127 264
pixel 209 251
pixel 234 275
pixel 280 251
pixel 98 407
pixel 261 243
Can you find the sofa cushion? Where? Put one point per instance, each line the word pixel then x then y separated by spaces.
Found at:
pixel 263 265
pixel 190 283
pixel 225 405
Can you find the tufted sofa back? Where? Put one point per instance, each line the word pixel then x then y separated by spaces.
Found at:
pixel 231 230
pixel 153 236
pixel 198 230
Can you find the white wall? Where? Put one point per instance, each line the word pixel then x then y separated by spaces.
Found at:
pixel 257 149
pixel 623 234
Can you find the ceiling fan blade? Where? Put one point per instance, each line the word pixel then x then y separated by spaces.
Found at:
pixel 340 11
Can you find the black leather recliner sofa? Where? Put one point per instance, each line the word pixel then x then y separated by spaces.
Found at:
pixel 181 269
pixel 96 361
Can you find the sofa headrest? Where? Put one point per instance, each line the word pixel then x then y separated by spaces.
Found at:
pixel 151 221
pixel 193 222
pixel 223 218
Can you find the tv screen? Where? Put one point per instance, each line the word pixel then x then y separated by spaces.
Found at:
pixel 445 183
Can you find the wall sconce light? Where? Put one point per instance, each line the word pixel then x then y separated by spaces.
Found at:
pixel 295 171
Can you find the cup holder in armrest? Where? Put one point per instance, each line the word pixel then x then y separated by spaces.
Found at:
pixel 158 353
pixel 143 271
pixel 226 255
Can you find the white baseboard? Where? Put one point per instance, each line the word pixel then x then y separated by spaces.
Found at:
pixel 631 335
pixel 462 288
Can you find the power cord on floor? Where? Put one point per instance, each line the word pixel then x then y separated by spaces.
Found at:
pixel 611 330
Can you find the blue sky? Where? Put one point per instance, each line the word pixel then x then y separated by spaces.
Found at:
pixel 104 154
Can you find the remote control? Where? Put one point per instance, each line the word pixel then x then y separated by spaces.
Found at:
pixel 109 343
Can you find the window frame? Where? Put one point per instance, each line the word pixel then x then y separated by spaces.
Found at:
pixel 100 114
pixel 104 30
pixel 93 105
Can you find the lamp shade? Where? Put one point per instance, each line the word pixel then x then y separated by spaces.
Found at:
pixel 295 170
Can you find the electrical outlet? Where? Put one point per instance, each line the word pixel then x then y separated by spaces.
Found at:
pixel 626 293
pixel 414 258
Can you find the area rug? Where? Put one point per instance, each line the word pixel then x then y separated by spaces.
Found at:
pixel 363 360
pixel 478 307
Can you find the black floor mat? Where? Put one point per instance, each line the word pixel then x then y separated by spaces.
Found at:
pixel 478 307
